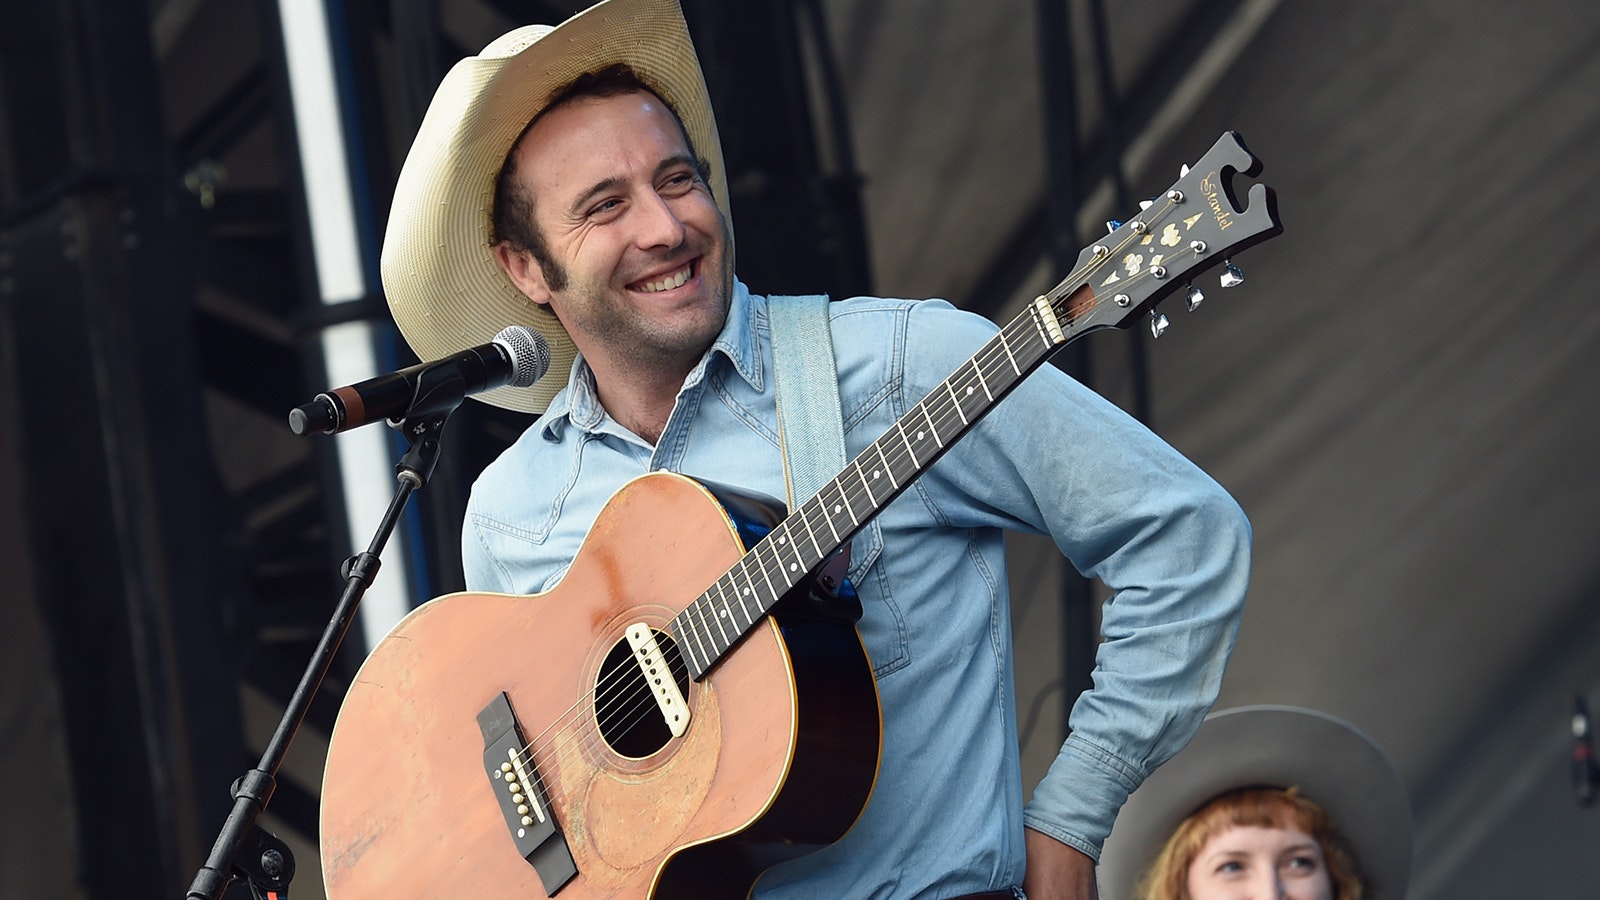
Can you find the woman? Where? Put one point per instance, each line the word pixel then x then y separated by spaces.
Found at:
pixel 1266 802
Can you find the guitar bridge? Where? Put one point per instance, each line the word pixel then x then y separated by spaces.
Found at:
pixel 521 795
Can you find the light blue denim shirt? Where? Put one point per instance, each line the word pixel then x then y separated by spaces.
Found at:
pixel 946 816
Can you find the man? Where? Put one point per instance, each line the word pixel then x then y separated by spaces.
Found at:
pixel 571 180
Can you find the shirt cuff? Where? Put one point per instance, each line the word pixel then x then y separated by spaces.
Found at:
pixel 1080 796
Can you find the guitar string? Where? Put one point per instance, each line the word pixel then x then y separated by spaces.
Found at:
pixel 895 455
pixel 987 359
pixel 641 707
pixel 617 688
pixel 900 453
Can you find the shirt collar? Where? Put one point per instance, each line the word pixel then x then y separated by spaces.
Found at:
pixel 579 402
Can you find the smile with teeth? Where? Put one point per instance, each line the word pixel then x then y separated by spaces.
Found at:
pixel 676 279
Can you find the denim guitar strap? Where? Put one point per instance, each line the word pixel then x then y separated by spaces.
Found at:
pixel 810 425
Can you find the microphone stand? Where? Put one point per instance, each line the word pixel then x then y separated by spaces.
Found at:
pixel 243 850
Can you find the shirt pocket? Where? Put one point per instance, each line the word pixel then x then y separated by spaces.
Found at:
pixel 883 624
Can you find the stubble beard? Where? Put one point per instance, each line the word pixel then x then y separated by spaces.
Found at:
pixel 652 346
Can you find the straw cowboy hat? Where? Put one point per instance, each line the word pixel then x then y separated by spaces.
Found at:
pixel 445 289
pixel 1326 758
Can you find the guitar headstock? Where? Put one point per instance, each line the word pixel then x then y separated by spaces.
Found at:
pixel 1195 225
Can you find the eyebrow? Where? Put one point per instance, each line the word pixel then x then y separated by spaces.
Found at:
pixel 611 184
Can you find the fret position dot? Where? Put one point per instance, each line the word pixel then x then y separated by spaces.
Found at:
pixel 969 390
pixel 874 474
pixel 793 567
pixel 921 435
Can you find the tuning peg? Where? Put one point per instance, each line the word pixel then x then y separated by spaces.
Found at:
pixel 1112 225
pixel 1146 204
pixel 1158 324
pixel 1183 170
pixel 1194 298
pixel 1231 276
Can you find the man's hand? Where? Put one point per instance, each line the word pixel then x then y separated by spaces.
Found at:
pixel 1057 871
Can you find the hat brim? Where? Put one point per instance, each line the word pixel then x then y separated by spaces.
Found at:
pixel 445 289
pixel 1330 761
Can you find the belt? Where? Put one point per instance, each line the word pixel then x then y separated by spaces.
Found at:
pixel 988 895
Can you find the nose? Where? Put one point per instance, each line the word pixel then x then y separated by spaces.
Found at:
pixel 1269 886
pixel 659 225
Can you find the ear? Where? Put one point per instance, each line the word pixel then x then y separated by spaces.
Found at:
pixel 524 272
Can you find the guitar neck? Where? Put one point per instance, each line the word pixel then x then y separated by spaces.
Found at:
pixel 816 529
pixel 1190 228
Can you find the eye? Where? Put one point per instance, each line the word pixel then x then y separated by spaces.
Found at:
pixel 605 208
pixel 1304 863
pixel 678 183
pixel 1230 867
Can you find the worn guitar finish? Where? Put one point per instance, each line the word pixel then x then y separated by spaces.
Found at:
pixel 407 808
pixel 777 748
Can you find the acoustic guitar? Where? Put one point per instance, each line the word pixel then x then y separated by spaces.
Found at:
pixel 691 703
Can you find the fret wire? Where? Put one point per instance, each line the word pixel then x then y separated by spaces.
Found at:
pixel 916 463
pixel 728 609
pixel 685 632
pixel 938 421
pixel 709 613
pixel 753 558
pixel 768 570
pixel 999 363
pixel 965 393
pixel 851 493
pixel 956 400
pixel 977 372
pixel 901 460
pixel 898 461
pixel 884 460
pixel 806 521
pixel 711 636
pixel 749 617
pixel 1011 329
pixel 826 515
pixel 793 567
pixel 719 620
pixel 724 613
pixel 785 541
pixel 836 506
pixel 701 635
pixel 1006 344
pixel 867 487
pixel 923 405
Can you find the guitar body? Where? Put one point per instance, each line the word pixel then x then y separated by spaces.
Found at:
pixel 778 758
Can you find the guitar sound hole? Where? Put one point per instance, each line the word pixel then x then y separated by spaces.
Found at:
pixel 624 702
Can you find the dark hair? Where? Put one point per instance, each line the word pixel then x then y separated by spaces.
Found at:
pixel 512 212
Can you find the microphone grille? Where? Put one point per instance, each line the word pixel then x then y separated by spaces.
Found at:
pixel 530 354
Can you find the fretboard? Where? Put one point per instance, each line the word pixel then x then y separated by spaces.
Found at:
pixel 708 627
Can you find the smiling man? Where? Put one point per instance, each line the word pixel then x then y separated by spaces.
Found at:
pixel 604 214
pixel 571 180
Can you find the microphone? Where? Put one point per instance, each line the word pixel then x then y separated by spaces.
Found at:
pixel 517 357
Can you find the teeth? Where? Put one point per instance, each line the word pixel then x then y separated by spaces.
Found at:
pixel 669 282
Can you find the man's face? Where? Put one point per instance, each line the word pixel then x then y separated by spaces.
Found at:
pixel 639 266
